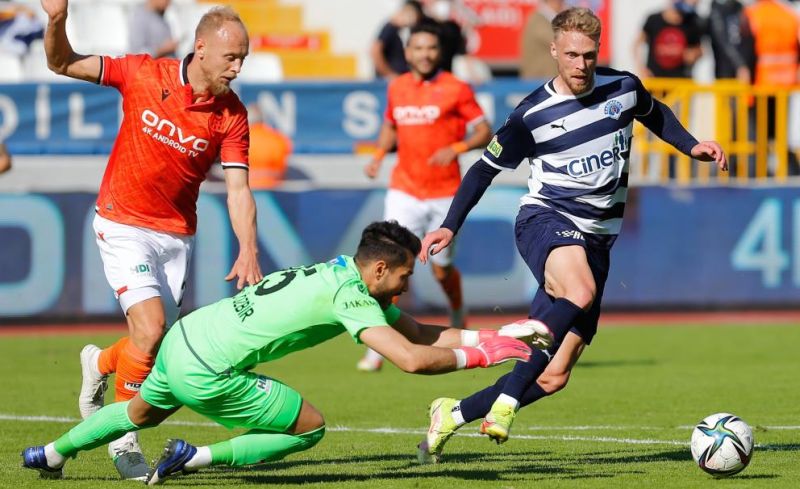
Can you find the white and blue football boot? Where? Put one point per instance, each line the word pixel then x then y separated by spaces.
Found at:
pixel 34 458
pixel 172 462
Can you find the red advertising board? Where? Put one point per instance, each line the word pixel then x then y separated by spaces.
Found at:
pixel 494 27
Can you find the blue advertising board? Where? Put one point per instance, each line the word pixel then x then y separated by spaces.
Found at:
pixel 693 248
pixel 329 117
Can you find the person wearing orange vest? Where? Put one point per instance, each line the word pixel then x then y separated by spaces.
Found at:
pixel 269 152
pixel 775 31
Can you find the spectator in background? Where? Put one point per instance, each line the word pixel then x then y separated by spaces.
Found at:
pixel 388 50
pixel 732 51
pixel 149 32
pixel 5 159
pixel 535 59
pixel 673 40
pixel 19 27
pixel 775 30
pixel 453 41
pixel 269 152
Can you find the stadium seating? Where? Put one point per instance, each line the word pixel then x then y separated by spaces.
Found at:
pixel 261 67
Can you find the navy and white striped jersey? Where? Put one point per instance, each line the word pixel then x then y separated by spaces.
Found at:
pixel 578 148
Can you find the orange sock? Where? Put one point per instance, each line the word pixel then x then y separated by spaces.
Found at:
pixel 452 287
pixel 107 362
pixel 132 369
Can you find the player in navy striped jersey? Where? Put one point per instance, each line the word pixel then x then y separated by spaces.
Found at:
pixel 575 132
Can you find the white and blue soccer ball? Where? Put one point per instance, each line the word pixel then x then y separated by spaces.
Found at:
pixel 722 444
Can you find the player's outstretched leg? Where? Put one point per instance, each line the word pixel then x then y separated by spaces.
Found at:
pixel 443 425
pixel 107 424
pixel 255 446
pixel 94 384
pixel 35 458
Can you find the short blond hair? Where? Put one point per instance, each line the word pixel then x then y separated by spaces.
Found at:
pixel 577 19
pixel 212 20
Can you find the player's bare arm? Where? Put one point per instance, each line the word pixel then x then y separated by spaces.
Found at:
pixel 530 331
pixel 423 359
pixel 427 334
pixel 61 58
pixel 479 138
pixel 242 209
pixel 386 141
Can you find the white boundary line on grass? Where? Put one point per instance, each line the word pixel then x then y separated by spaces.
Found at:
pixel 412 431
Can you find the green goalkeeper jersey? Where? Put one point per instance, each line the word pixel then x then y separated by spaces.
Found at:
pixel 289 310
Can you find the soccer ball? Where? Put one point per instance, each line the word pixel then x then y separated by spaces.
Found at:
pixel 722 444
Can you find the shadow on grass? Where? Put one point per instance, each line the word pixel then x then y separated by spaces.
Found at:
pixel 677 455
pixel 517 466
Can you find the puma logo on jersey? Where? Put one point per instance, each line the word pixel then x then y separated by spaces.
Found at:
pixel 414 115
pixel 164 94
pixel 559 126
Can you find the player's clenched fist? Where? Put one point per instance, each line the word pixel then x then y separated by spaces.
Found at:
pixel 493 351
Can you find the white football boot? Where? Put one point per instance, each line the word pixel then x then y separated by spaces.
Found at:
pixel 93 385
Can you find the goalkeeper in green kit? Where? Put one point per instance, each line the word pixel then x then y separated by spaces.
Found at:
pixel 205 359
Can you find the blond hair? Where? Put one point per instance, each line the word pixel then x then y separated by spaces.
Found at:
pixel 577 19
pixel 212 20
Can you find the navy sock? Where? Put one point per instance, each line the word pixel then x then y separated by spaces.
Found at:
pixel 520 383
pixel 559 318
pixel 477 405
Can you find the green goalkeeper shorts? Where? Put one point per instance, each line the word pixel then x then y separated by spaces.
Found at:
pixel 233 399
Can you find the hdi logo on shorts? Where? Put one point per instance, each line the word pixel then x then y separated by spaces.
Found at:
pixel 141 268
pixel 264 384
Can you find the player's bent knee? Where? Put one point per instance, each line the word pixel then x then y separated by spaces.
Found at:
pixel 582 296
pixel 311 438
pixel 148 339
pixel 308 420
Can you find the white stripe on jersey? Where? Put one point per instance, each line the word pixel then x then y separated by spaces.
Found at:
pixel 620 195
pixel 576 120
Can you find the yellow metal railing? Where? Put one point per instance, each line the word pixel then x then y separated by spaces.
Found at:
pixel 732 113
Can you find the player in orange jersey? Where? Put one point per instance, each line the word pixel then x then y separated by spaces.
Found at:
pixel 427 116
pixel 179 117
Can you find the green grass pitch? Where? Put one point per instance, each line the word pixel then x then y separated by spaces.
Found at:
pixel 624 420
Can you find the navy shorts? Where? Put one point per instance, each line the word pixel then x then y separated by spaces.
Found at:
pixel 539 230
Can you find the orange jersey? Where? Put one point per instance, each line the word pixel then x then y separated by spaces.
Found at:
pixel 428 115
pixel 166 144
